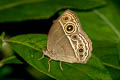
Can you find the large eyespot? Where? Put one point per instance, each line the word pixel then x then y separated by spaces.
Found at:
pixel 69 28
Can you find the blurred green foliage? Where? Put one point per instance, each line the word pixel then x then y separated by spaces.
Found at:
pixel 18 10
pixel 99 19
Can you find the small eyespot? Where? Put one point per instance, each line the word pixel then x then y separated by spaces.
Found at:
pixel 80 45
pixel 81 55
pixel 66 18
pixel 74 37
pixel 80 50
pixel 69 28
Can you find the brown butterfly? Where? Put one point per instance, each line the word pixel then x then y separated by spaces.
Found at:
pixel 67 41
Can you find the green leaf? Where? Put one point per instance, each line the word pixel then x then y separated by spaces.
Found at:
pixel 1 39
pixel 37 74
pixel 102 26
pixel 10 60
pixel 18 10
pixel 6 52
pixel 0 43
pixel 115 73
pixel 30 46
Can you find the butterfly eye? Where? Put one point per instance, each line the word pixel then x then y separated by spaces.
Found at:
pixel 69 28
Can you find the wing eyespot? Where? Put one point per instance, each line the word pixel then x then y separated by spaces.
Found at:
pixel 74 37
pixel 81 55
pixel 69 28
pixel 81 50
pixel 66 18
pixel 80 45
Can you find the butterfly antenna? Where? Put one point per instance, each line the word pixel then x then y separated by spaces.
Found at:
pixel 41 57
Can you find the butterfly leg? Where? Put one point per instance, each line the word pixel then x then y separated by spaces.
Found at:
pixel 41 57
pixel 49 65
pixel 61 66
pixel 44 51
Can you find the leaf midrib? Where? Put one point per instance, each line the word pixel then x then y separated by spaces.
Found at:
pixel 18 42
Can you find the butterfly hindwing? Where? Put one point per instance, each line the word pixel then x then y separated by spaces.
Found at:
pixel 66 40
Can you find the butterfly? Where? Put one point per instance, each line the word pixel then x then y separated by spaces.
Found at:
pixel 67 42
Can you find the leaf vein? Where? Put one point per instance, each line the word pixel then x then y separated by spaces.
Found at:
pixel 108 22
